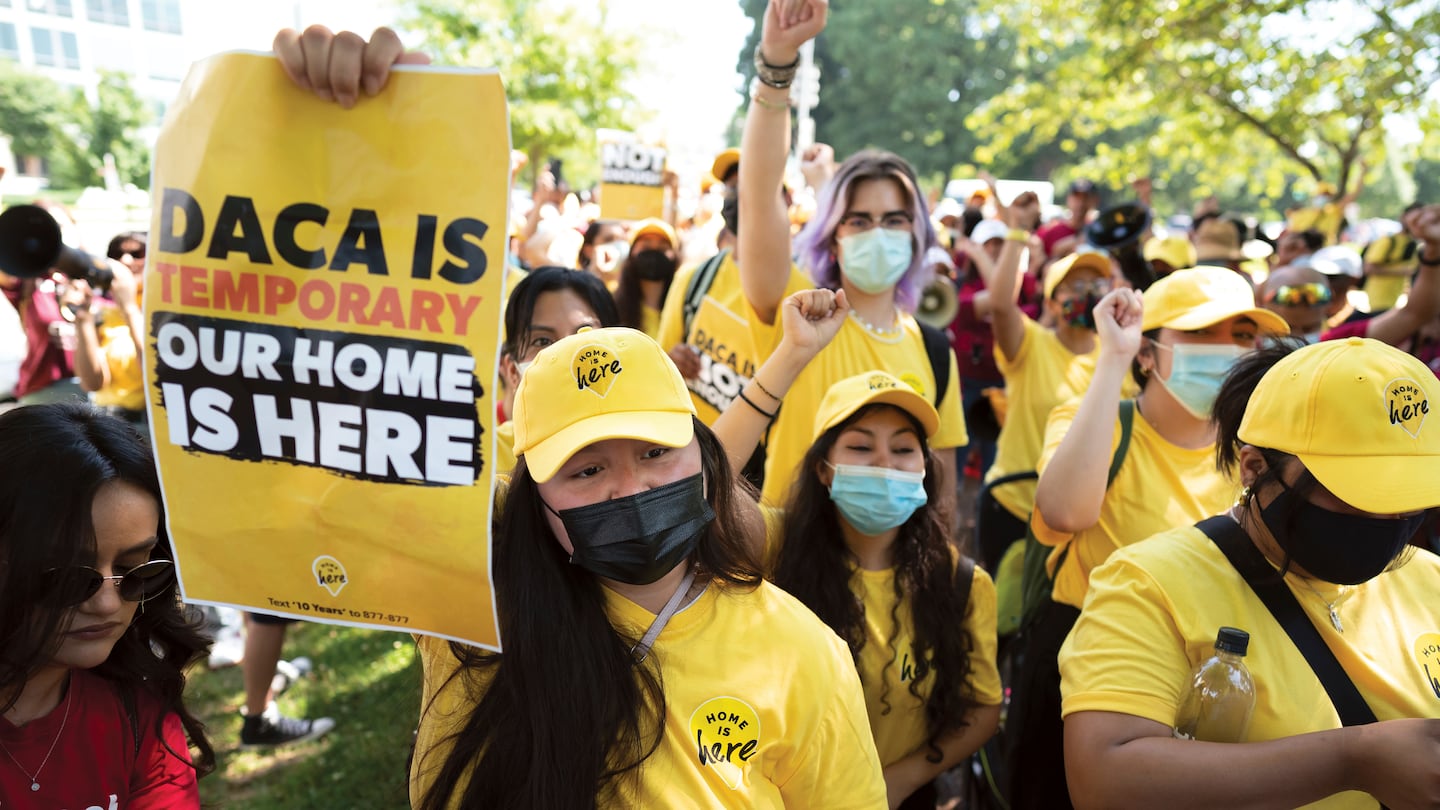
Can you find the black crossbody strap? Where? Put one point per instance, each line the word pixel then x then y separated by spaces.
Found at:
pixel 1262 578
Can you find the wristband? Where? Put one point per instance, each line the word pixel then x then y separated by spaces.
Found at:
pixel 1424 262
pixel 1018 235
pixel 776 76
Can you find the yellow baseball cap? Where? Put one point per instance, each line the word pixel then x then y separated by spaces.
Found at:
pixel 1203 296
pixel 1355 412
pixel 874 387
pixel 1075 261
pixel 1175 250
pixel 598 384
pixel 724 162
pixel 653 225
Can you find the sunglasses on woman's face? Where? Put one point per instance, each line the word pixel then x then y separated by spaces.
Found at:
pixel 1301 295
pixel 139 584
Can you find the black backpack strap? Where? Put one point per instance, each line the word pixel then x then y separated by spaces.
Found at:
pixel 1127 427
pixel 698 288
pixel 1265 581
pixel 937 349
pixel 964 578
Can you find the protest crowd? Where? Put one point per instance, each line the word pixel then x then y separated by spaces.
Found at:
pixel 832 492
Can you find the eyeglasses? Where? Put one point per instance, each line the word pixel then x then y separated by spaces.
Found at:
pixel 139 584
pixel 859 223
pixel 1300 295
pixel 1082 287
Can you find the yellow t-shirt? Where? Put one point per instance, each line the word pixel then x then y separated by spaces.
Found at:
pixel 1042 374
pixel 1326 219
pixel 856 351
pixel 126 388
pixel 505 447
pixel 649 320
pixel 753 676
pixel 886 663
pixel 729 337
pixel 1154 608
pixel 1159 486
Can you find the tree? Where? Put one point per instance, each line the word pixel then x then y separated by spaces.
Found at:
pixel 903 75
pixel 31 111
pixel 565 68
pixel 1246 98
pixel 113 128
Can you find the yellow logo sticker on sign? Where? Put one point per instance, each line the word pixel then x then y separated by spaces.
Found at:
pixel 323 316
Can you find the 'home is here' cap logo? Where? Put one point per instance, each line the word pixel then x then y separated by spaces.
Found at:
pixel 596 369
pixel 1407 405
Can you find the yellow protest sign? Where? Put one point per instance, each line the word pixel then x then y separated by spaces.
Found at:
pixel 632 177
pixel 323 316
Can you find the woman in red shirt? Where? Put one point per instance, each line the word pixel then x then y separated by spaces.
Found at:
pixel 93 641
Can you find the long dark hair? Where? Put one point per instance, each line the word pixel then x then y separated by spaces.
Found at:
pixel 815 566
pixel 58 457
pixel 566 714
pixel 520 308
pixel 629 301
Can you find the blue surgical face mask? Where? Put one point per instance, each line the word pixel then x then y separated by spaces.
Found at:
pixel 876 260
pixel 1196 372
pixel 876 499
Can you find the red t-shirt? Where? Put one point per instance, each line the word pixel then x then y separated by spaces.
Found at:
pixel 972 337
pixel 1053 232
pixel 45 361
pixel 94 764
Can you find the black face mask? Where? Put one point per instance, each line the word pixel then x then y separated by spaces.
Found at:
pixel 642 537
pixel 653 265
pixel 1338 548
pixel 730 211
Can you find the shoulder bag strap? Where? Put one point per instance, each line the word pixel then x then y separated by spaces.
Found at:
pixel 699 287
pixel 1263 579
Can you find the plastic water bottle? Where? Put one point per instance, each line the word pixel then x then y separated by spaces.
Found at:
pixel 1222 694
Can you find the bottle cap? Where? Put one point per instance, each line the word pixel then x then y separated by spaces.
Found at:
pixel 1232 640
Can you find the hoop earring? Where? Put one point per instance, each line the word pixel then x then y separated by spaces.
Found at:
pixel 1244 499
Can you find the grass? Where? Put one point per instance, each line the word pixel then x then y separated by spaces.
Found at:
pixel 368 680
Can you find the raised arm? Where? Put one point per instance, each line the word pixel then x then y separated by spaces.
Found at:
pixel 810 319
pixel 1006 319
pixel 1396 325
pixel 763 243
pixel 1071 489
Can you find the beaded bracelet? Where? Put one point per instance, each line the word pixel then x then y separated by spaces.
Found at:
pixel 767 104
pixel 776 76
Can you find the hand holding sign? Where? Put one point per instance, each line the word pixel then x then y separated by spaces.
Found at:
pixel 337 66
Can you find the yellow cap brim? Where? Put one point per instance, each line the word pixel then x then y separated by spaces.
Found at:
pixel 1215 312
pixel 904 398
pixel 667 428
pixel 1384 485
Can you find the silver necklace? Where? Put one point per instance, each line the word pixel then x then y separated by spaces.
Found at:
pixel 880 332
pixel 1334 606
pixel 35 777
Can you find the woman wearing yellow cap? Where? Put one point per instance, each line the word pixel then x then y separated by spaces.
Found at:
pixel 1192 327
pixel 864 543
pixel 1338 449
pixel 1043 367
pixel 869 236
pixel 645 663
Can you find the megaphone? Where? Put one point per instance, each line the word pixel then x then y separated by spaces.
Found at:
pixel 30 247
pixel 939 303
pixel 1118 230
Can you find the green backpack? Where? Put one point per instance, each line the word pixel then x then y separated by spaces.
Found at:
pixel 1035 582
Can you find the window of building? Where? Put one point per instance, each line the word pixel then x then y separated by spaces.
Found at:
pixel 161 15
pixel 9 45
pixel 114 12
pixel 70 50
pixel 55 48
pixel 43 40
pixel 60 8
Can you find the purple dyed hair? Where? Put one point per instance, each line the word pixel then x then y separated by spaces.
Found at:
pixel 815 244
